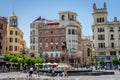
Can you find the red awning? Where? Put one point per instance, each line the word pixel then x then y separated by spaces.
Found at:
pixel 72 58
pixel 49 59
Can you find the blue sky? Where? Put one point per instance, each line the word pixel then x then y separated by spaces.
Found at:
pixel 28 10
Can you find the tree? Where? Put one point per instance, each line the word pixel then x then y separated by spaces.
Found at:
pixel 115 61
pixel 102 62
pixel 92 63
pixel 14 59
pixel 7 57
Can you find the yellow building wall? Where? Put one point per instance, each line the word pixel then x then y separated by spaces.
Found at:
pixel 19 38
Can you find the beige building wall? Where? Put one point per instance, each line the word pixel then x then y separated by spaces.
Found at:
pixel 87 50
pixel 15 40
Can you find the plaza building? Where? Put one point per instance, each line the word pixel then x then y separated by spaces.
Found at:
pixel 51 38
pixel 3 34
pixel 15 42
pixel 106 36
pixel 87 48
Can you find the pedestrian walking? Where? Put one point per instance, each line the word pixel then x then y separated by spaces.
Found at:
pixel 31 71
pixel 66 71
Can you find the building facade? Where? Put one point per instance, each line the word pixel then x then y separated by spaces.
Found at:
pixel 3 34
pixel 15 40
pixel 87 47
pixel 106 36
pixel 52 37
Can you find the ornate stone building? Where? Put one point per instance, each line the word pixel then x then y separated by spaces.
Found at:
pixel 106 36
pixel 15 42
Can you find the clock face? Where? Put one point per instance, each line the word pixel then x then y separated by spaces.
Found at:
pixel 62 58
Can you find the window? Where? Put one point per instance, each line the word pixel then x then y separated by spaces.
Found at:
pixel 1 26
pixel 11 32
pixel 111 29
pixel 100 29
pixel 46 40
pixel 46 32
pixel 51 47
pixel 0 36
pixel 69 31
pixel 101 45
pixel 56 55
pixel 57 32
pixel 33 32
pixel 33 47
pixel 40 39
pixel 112 53
pixel 46 48
pixel 63 31
pixel 63 39
pixel 62 17
pixel 70 17
pixel 73 40
pixel 16 40
pixel 112 37
pixel 51 40
pixel 112 45
pixel 40 32
pixel 100 20
pixel 11 39
pixel 101 37
pixel 15 48
pixel 33 40
pixel 56 39
pixel 73 31
pixel 51 55
pixel 10 48
pixel 40 47
pixel 16 33
pixel 56 47
pixel 51 32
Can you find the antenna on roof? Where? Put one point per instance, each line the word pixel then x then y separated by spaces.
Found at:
pixel 13 7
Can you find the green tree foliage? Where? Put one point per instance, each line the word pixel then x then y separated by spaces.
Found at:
pixel 115 61
pixel 102 62
pixel 23 59
pixel 7 57
pixel 14 59
pixel 92 63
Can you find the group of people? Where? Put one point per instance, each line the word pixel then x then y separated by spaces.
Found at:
pixel 51 71
pixel 64 73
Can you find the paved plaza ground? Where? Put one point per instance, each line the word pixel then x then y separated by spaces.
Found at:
pixel 24 76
